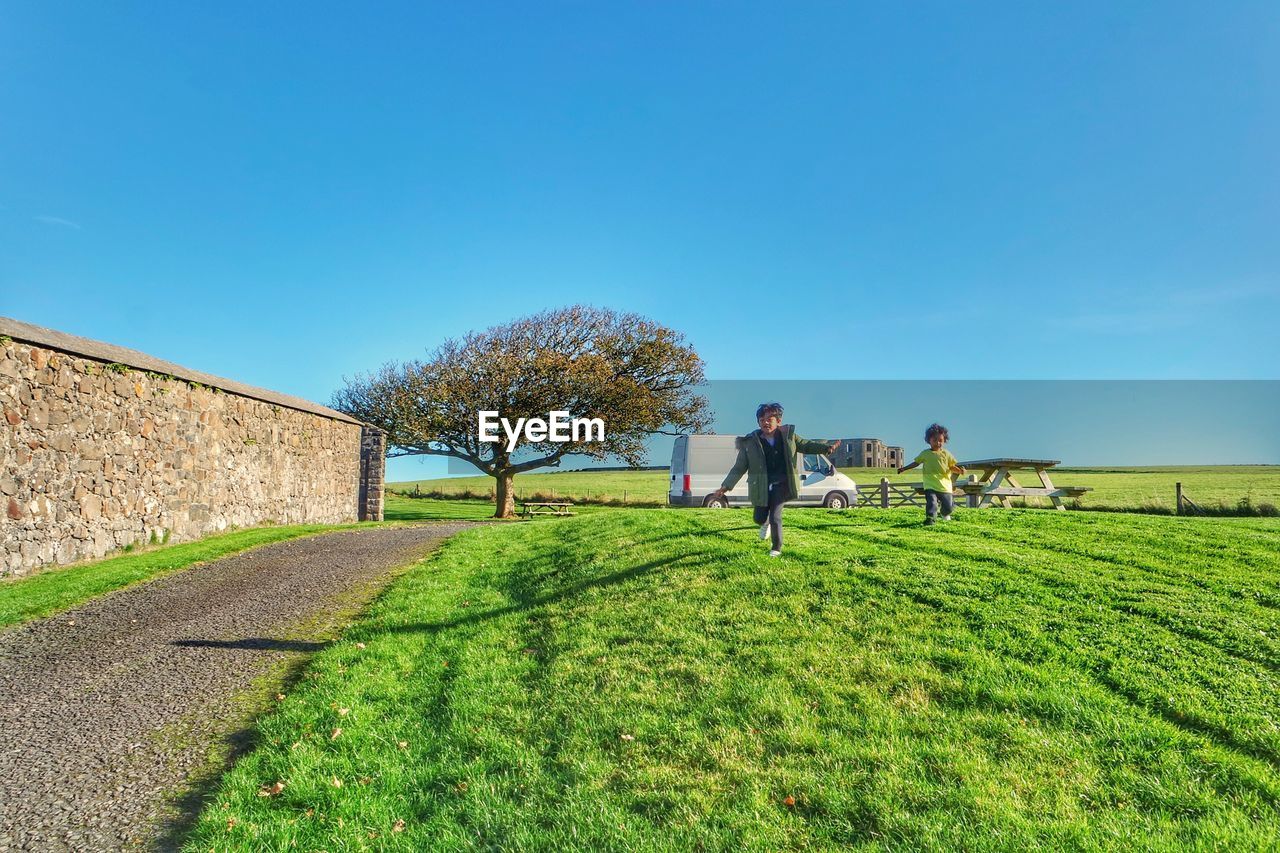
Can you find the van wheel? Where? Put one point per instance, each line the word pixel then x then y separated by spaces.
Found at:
pixel 716 503
pixel 835 500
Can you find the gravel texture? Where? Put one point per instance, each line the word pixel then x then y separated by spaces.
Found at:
pixel 108 711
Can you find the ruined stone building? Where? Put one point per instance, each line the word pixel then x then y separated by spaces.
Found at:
pixel 866 453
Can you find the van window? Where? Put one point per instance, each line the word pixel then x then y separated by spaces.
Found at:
pixel 813 462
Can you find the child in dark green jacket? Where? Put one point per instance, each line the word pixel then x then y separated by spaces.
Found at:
pixel 768 457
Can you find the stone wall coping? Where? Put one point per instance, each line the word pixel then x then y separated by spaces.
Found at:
pixel 110 353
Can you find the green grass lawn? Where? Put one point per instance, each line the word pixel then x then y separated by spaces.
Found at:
pixel 640 680
pixel 57 589
pixel 1113 488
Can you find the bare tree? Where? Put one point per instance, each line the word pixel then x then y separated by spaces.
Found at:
pixel 636 375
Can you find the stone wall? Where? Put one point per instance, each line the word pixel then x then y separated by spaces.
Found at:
pixel 373 463
pixel 99 454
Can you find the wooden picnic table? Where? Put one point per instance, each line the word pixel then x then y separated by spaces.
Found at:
pixel 529 508
pixel 998 486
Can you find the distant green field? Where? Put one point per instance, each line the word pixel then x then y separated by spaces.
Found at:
pixel 399 508
pixel 1153 488
pixel 638 486
pixel 1113 488
pixel 644 680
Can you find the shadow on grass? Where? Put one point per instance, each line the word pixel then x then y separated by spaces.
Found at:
pixel 526 601
pixel 181 814
pixel 1083 661
pixel 531 602
pixel 719 532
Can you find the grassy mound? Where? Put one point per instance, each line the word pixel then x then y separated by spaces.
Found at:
pixel 640 680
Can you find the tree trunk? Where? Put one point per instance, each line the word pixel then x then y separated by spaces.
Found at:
pixel 505 498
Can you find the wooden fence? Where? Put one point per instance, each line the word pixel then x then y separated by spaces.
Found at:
pixel 887 495
pixel 1186 506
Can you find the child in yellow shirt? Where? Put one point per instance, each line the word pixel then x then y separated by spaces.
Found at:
pixel 939 465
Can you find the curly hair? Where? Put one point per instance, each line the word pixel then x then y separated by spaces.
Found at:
pixel 936 429
pixel 765 409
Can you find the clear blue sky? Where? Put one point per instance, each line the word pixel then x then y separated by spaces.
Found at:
pixel 287 193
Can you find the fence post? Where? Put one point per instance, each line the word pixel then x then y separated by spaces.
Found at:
pixel 971 500
pixel 1178 493
pixel 884 492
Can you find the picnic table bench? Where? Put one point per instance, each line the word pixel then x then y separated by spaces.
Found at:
pixel 529 508
pixel 997 484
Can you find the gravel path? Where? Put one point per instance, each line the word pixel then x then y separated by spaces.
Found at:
pixel 107 710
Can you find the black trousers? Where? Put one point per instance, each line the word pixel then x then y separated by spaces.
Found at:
pixel 931 500
pixel 772 513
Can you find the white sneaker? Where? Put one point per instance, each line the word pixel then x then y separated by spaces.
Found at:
pixel 946 518
pixel 775 553
pixel 764 530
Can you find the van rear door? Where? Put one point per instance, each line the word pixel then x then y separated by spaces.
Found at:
pixel 678 488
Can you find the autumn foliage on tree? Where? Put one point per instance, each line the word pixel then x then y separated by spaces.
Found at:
pixel 636 375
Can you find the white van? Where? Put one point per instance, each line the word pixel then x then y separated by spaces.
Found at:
pixel 699 464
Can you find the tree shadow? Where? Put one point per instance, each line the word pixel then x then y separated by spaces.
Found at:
pixel 179 815
pixel 684 534
pixel 184 812
pixel 532 602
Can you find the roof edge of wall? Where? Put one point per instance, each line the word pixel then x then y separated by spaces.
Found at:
pixel 112 354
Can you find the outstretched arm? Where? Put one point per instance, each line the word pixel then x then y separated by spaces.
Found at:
pixel 803 446
pixel 906 468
